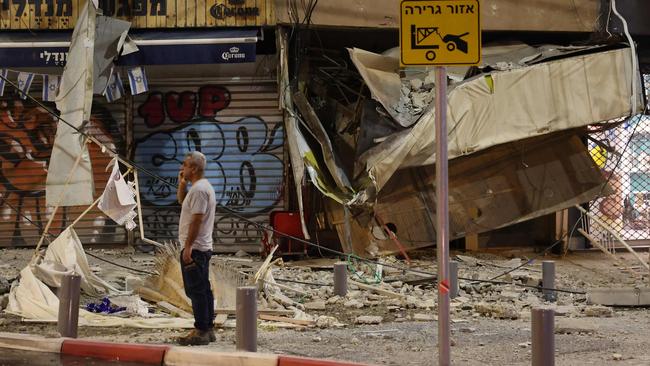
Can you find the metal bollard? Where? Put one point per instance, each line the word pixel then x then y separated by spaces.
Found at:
pixel 340 279
pixel 453 279
pixel 548 280
pixel 246 309
pixel 69 305
pixel 543 336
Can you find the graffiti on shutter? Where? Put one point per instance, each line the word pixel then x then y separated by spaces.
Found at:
pixel 244 158
pixel 26 135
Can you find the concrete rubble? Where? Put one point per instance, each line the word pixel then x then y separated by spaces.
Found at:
pixel 418 299
pixel 303 297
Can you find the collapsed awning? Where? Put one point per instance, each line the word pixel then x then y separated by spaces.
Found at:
pixel 214 46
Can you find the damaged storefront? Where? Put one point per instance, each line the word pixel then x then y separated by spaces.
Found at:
pixel 517 136
pixel 206 83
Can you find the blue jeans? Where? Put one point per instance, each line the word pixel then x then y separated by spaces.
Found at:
pixel 196 279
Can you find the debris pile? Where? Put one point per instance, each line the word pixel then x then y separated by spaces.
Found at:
pixel 415 95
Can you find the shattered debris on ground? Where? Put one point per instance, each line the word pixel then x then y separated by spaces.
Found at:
pixel 384 309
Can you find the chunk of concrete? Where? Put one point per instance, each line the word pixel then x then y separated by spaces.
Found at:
pixel 353 304
pixel 315 305
pixel 4 301
pixel 644 297
pixel 626 296
pixel 498 310
pixel 598 311
pixel 5 286
pixel 423 317
pixel 369 319
pixel 574 325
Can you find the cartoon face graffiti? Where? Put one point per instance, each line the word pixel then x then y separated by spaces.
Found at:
pixel 26 136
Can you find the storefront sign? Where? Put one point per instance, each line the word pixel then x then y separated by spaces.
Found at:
pixel 62 14
pixel 151 55
pixel 221 11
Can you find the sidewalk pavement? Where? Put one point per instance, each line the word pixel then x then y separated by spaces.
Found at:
pixel 154 354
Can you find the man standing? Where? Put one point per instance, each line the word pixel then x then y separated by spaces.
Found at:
pixel 195 235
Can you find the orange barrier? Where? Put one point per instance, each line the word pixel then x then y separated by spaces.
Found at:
pixel 143 353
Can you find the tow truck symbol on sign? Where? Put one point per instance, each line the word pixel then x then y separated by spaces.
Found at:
pixel 421 40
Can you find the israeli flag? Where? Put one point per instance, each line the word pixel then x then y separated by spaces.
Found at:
pixel 24 82
pixel 50 87
pixel 138 80
pixel 3 73
pixel 114 88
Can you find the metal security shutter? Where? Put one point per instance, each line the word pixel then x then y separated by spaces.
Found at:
pixel 236 123
pixel 27 132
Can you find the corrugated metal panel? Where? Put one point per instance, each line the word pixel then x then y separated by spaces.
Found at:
pixel 236 123
pixel 26 135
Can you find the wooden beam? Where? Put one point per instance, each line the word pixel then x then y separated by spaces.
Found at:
pixel 283 319
pixel 378 290
pixel 174 310
pixel 232 311
pixel 471 242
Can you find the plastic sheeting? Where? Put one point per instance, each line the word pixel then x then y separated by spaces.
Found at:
pixel 118 199
pixel 503 106
pixel 96 41
pixel 64 186
pixel 32 296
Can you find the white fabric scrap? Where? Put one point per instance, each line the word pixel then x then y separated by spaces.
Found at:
pixel 118 200
pixel 31 298
pixel 133 304
pixel 67 251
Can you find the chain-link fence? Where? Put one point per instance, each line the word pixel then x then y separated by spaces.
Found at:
pixel 623 153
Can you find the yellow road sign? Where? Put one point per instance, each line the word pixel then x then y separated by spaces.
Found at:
pixel 440 32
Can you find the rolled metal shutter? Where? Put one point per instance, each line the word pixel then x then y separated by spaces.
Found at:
pixel 236 123
pixel 27 133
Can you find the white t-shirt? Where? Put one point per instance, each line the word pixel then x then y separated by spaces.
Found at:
pixel 199 200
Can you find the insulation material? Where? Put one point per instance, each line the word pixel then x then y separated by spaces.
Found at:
pixel 499 107
pixel 64 186
pixel 118 199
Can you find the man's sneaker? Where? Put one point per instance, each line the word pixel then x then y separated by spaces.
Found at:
pixel 195 338
pixel 213 337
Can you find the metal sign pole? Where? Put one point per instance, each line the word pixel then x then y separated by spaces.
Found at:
pixel 442 215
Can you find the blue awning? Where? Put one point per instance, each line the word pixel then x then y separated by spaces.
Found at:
pixel 212 46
